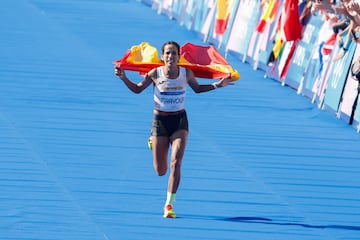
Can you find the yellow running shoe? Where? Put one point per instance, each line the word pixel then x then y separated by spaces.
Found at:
pixel 169 211
pixel 150 143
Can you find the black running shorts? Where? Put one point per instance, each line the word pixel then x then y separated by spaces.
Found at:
pixel 167 125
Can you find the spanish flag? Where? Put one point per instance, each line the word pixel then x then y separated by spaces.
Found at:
pixel 204 61
pixel 222 15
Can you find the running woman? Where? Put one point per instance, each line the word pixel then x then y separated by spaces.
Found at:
pixel 170 123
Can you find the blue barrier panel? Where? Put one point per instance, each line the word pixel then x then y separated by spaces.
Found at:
pixel 176 10
pixel 207 27
pixel 310 76
pixel 189 12
pixel 170 8
pixel 336 82
pixel 316 76
pixel 244 24
pixel 320 84
pixel 200 18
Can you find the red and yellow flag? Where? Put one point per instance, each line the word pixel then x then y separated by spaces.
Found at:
pixel 204 61
pixel 268 15
pixel 222 15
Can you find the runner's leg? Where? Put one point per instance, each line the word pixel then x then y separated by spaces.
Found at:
pixel 179 140
pixel 160 148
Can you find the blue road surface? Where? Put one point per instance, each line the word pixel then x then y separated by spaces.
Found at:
pixel 262 162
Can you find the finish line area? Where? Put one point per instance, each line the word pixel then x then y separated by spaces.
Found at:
pixel 261 161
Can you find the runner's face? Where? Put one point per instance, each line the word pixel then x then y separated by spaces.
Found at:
pixel 170 55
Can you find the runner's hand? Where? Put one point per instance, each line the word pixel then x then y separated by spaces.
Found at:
pixel 120 73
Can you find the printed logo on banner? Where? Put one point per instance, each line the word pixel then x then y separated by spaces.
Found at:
pixel 296 69
pixel 310 33
pixel 311 73
pixel 337 73
pixel 299 56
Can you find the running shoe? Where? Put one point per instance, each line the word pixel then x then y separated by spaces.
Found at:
pixel 150 143
pixel 169 211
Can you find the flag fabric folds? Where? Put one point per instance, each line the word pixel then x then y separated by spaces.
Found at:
pixel 204 61
pixel 268 14
pixel 290 21
pixel 140 58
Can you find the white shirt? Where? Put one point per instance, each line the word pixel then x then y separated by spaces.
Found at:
pixel 169 94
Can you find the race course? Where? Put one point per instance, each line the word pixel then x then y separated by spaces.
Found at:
pixel 261 163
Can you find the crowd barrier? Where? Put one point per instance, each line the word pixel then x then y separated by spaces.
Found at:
pixel 249 32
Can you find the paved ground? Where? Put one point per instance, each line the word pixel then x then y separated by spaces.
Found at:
pixel 262 162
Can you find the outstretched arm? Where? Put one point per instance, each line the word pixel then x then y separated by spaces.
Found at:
pixel 134 87
pixel 199 88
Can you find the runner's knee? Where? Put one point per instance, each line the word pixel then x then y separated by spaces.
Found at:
pixel 175 165
pixel 160 172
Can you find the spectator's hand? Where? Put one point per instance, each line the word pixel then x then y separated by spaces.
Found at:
pixel 354 6
pixel 339 40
